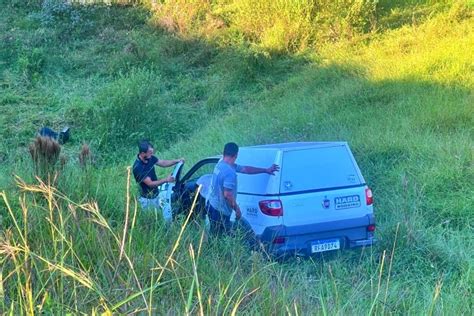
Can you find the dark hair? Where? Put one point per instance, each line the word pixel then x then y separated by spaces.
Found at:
pixel 143 146
pixel 231 149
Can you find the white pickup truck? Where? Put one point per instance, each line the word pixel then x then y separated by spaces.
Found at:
pixel 318 202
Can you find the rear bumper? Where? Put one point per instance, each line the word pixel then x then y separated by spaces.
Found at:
pixel 298 240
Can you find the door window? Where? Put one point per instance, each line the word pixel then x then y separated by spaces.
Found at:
pixel 207 167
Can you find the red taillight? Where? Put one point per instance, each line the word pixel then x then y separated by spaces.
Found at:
pixel 271 207
pixel 279 240
pixel 368 197
pixel 371 228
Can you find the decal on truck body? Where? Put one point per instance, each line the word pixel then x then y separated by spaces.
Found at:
pixel 342 202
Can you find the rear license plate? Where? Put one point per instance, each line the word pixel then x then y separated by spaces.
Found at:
pixel 325 245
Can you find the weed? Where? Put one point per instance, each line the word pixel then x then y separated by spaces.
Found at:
pixel 85 156
pixel 30 64
pixel 44 152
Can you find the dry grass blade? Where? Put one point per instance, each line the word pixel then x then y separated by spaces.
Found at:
pixel 236 306
pixel 196 279
pixel 2 290
pixel 392 255
pixel 80 276
pixel 127 211
pixel 10 212
pixel 436 294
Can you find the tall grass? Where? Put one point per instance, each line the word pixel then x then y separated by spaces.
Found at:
pixel 288 26
pixel 133 267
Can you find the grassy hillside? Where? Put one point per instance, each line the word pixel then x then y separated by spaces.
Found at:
pixel 397 85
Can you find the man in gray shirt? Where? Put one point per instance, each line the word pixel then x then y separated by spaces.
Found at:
pixel 223 189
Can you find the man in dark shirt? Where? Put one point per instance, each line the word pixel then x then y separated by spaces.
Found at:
pixel 144 173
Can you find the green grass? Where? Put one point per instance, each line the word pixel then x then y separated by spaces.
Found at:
pixel 402 96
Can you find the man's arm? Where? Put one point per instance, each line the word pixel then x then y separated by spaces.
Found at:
pixel 255 170
pixel 229 197
pixel 158 182
pixel 168 163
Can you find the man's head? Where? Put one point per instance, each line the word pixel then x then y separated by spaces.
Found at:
pixel 145 149
pixel 231 150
